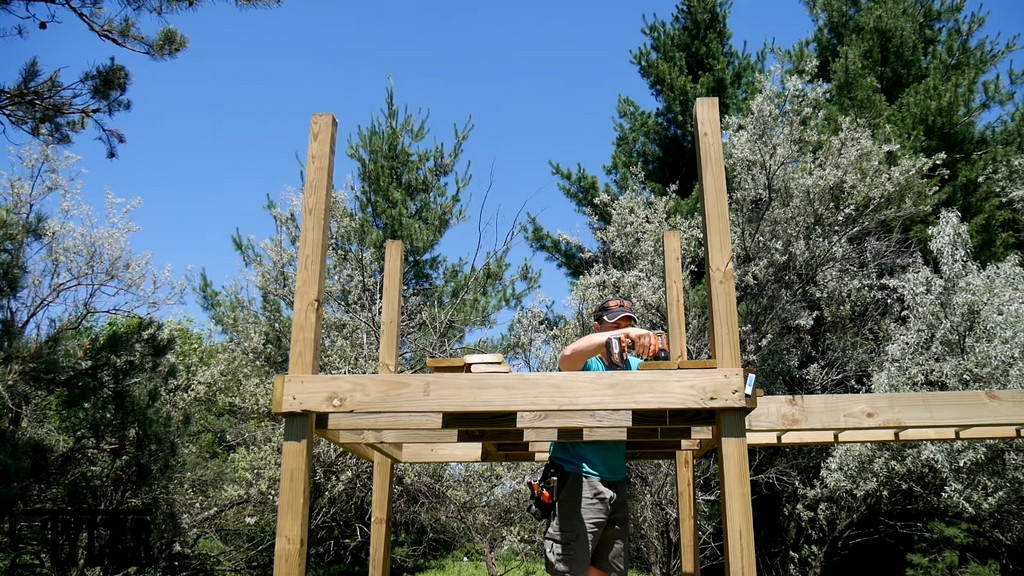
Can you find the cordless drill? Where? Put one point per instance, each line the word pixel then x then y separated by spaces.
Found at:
pixel 616 350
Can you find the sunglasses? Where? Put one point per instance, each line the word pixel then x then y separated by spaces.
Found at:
pixel 616 304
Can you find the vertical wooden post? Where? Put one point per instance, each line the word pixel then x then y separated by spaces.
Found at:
pixel 674 295
pixel 685 486
pixel 733 463
pixel 686 492
pixel 383 467
pixel 297 451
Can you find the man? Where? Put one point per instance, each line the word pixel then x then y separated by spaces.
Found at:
pixel 589 531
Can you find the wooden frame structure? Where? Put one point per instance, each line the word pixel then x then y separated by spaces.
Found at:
pixel 677 409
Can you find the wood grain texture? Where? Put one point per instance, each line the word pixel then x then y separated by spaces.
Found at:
pixel 380 516
pixel 879 411
pixel 719 388
pixel 672 247
pixel 686 497
pixel 717 236
pixel 383 464
pixel 734 470
pixel 297 452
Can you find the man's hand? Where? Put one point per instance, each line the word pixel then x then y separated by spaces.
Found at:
pixel 645 345
pixel 645 342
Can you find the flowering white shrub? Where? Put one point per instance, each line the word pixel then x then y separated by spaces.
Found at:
pixel 816 205
pixel 82 267
pixel 961 328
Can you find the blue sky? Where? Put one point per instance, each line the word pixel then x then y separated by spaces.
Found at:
pixel 216 130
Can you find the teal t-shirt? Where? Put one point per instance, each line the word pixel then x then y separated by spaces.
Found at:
pixel 604 460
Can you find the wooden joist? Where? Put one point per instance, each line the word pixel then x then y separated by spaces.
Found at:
pixel 906 410
pixel 778 421
pixel 809 437
pixel 320 393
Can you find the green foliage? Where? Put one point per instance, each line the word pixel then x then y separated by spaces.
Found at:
pixel 813 205
pixel 52 110
pixel 476 510
pixel 403 189
pixel 924 74
pixel 943 550
pixel 443 301
pixel 687 57
pixel 84 377
pixel 470 566
pixel 408 191
pixel 958 327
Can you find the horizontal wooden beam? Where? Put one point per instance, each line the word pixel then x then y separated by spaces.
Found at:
pixel 813 437
pixel 525 435
pixel 463 452
pixel 322 393
pixel 839 412
pixel 586 434
pixel 377 421
pixel 360 450
pixel 515 420
pixel 575 419
pixel 391 436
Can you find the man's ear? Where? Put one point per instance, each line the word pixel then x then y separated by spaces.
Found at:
pixel 596 326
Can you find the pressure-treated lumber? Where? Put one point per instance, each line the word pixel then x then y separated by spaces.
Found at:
pixel 676 328
pixel 525 420
pixel 734 467
pixel 297 450
pixel 964 415
pixel 327 393
pixel 686 496
pixel 686 489
pixel 882 435
pixel 383 463
pixel 895 410
pixel 380 516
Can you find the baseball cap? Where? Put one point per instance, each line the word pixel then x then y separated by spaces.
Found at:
pixel 611 309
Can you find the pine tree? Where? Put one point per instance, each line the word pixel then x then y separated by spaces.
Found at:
pixel 687 57
pixel 923 74
pixel 53 110
pixel 403 188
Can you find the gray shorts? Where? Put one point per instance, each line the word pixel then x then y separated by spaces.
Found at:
pixel 590 527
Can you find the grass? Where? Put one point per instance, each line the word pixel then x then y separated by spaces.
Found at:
pixel 456 567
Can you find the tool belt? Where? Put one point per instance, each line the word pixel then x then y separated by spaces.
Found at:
pixel 544 492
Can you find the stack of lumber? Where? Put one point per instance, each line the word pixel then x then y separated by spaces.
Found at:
pixel 470 363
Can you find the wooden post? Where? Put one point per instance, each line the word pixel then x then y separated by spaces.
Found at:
pixel 383 466
pixel 686 488
pixel 297 451
pixel 733 463
pixel 686 492
pixel 674 295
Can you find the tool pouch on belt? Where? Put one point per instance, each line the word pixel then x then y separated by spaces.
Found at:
pixel 544 492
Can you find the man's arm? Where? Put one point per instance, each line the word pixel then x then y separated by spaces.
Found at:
pixel 645 344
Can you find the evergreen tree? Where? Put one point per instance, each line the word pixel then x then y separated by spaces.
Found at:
pixel 922 73
pixel 83 422
pixel 403 189
pixel 687 57
pixel 53 110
